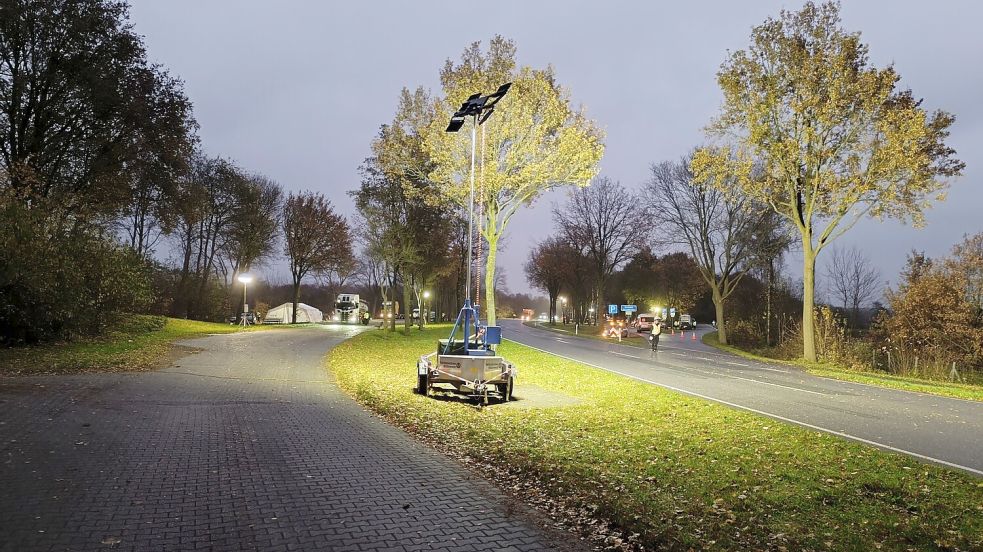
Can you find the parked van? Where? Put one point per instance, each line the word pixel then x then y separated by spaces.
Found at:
pixel 686 322
pixel 645 322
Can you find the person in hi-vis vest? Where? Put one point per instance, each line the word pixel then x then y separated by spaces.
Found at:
pixel 654 336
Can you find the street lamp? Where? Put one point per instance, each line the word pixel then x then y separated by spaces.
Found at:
pixel 563 309
pixel 245 279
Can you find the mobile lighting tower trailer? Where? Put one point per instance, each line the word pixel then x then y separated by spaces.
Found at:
pixel 470 364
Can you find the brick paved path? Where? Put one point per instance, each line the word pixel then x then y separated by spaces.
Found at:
pixel 246 445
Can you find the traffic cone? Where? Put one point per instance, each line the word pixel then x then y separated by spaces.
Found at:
pixel 694 336
pixel 682 334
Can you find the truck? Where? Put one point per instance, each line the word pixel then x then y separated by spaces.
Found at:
pixel 351 309
pixel 686 322
pixel 527 314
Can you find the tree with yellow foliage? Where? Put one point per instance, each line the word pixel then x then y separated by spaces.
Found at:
pixel 534 142
pixel 813 130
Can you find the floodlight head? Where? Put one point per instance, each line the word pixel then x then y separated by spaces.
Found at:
pixel 471 106
pixel 497 95
pixel 245 278
pixel 484 116
pixel 478 106
pixel 456 123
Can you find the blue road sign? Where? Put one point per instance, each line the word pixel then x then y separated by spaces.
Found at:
pixel 672 312
pixel 612 309
pixel 629 308
pixel 664 311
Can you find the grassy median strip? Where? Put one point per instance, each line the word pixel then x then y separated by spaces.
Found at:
pixel 138 342
pixel 670 470
pixel 945 389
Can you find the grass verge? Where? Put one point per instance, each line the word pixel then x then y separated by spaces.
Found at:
pixel 138 342
pixel 945 389
pixel 671 471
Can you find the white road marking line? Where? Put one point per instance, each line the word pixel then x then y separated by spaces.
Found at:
pixel 771 369
pixel 775 416
pixel 736 364
pixel 561 340
pixel 623 354
pixel 775 384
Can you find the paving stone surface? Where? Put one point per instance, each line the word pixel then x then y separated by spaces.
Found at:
pixel 244 445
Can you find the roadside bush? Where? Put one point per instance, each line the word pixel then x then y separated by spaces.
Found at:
pixel 56 283
pixel 745 333
pixel 831 335
pixel 932 322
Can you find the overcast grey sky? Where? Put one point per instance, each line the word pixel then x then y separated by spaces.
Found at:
pixel 296 90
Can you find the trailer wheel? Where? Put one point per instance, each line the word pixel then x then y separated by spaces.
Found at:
pixel 505 390
pixel 422 384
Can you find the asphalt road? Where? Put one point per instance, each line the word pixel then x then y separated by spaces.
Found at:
pixel 246 444
pixel 934 429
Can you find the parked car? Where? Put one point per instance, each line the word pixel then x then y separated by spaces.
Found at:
pixel 686 322
pixel 415 315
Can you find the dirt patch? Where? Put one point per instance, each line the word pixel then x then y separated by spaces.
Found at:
pixel 534 396
pixel 173 356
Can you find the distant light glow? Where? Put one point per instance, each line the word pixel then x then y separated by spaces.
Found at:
pixel 245 278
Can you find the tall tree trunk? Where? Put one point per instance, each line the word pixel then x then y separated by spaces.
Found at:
pixel 180 305
pixel 293 320
pixel 419 301
pixel 771 285
pixel 393 309
pixel 718 306
pixel 407 323
pixel 490 278
pixel 553 309
pixel 808 300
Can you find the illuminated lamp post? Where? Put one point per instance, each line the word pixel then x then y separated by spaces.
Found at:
pixel 245 279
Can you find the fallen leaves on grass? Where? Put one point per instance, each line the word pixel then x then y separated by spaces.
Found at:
pixel 634 465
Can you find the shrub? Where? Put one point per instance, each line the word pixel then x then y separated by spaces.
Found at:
pixel 745 333
pixel 56 282
pixel 932 318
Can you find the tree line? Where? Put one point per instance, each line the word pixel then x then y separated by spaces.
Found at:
pixel 102 167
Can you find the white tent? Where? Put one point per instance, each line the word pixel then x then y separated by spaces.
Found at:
pixel 284 314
